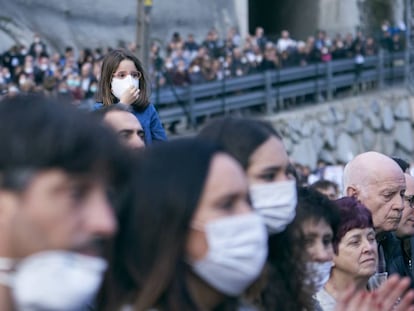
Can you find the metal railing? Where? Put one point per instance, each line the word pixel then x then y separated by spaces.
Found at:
pixel 270 89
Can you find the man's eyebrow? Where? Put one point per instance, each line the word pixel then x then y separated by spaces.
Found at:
pixel 125 131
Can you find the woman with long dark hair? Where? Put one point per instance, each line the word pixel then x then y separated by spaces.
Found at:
pixel 181 244
pixel 260 151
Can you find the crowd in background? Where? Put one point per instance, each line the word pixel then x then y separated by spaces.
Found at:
pixel 183 61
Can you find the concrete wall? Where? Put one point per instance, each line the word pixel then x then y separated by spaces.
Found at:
pixel 337 131
pixel 105 22
pixel 338 16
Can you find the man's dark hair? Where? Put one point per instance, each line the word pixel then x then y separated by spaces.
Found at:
pixel 102 111
pixel 228 131
pixel 38 133
pixel 324 184
pixel 404 165
pixel 313 205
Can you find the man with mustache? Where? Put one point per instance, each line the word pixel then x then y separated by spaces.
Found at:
pixel 56 170
pixel 125 124
pixel 379 183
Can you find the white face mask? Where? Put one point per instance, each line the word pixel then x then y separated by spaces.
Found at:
pixel 276 203
pixel 53 280
pixel 318 273
pixel 119 86
pixel 237 251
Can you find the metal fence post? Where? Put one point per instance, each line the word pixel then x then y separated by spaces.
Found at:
pixel 329 77
pixel 270 100
pixel 316 83
pixel 191 102
pixel 381 69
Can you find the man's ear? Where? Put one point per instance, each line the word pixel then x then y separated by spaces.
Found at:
pixel 352 191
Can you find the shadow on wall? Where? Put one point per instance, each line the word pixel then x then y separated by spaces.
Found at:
pixel 275 16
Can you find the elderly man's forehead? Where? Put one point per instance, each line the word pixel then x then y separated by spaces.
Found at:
pixel 385 176
pixel 374 167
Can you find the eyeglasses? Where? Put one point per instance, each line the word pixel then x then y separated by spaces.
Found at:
pixel 410 200
pixel 124 74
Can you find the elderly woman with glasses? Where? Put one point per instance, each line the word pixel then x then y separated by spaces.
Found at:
pixel 356 256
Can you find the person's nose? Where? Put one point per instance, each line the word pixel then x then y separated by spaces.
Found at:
pixel 136 142
pixel 100 218
pixel 399 203
pixel 322 253
pixel 368 247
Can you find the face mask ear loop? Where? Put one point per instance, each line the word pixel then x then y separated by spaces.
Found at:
pixel 7 264
pixel 6 268
pixel 6 279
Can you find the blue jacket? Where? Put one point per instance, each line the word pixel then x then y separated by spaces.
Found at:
pixel 150 121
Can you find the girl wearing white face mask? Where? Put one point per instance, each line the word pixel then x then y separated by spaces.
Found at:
pixel 181 244
pixel 122 80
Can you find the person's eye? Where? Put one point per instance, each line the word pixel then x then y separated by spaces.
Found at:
pixel 267 177
pixel 78 192
pixel 121 75
pixel 309 242
pixel 135 75
pixel 228 204
pixel 124 135
pixel 141 134
pixel 354 243
pixel 327 242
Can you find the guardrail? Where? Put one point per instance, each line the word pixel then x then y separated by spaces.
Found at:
pixel 270 89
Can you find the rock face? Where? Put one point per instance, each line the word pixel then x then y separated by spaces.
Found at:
pixel 382 121
pixel 105 23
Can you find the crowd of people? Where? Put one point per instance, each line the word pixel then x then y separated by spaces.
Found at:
pixel 99 211
pixel 96 216
pixel 183 61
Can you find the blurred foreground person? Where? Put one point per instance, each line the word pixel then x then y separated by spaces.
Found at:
pixel 260 151
pixel 182 243
pixel 55 170
pixel 356 255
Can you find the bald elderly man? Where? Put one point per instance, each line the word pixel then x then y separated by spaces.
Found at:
pixel 378 182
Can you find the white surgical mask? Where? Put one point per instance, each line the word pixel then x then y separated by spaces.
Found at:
pixel 119 86
pixel 53 280
pixel 318 273
pixel 237 251
pixel 276 203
